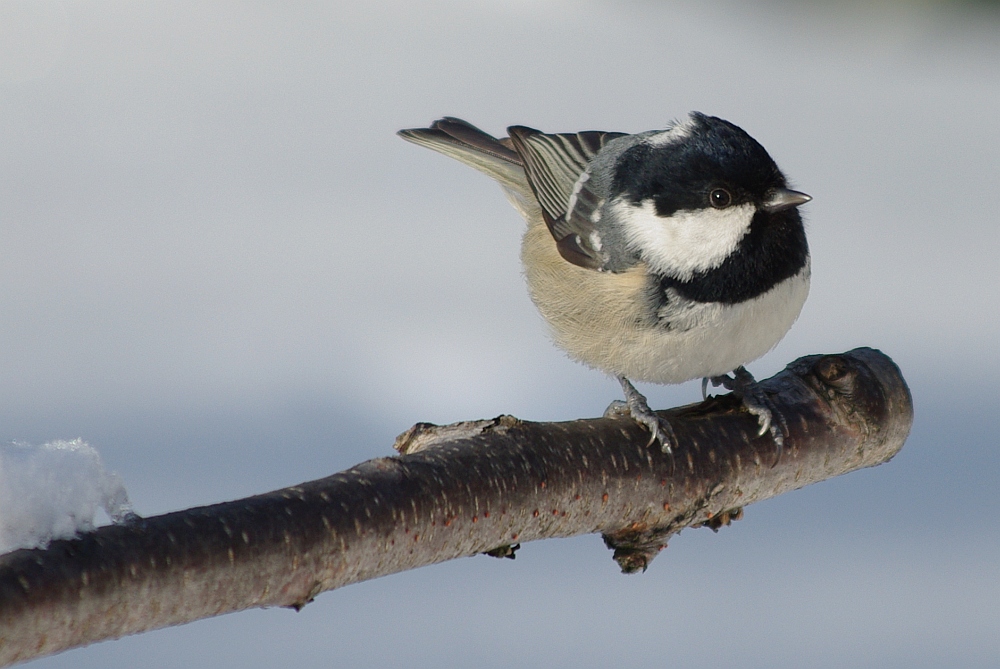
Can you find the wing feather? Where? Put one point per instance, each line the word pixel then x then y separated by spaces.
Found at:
pixel 556 168
pixel 551 167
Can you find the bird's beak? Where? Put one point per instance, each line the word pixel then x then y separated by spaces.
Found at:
pixel 784 198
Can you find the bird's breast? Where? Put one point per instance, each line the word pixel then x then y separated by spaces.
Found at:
pixel 607 320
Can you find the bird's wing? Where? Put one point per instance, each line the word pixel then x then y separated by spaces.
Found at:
pixel 466 143
pixel 556 167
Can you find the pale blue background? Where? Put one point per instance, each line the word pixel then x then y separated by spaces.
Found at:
pixel 223 270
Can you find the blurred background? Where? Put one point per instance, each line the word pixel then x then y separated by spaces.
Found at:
pixel 223 271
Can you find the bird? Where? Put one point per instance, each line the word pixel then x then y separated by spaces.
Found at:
pixel 660 256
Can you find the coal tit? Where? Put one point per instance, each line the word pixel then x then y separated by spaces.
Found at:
pixel 661 256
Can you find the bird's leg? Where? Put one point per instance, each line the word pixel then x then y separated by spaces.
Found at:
pixel 635 405
pixel 756 401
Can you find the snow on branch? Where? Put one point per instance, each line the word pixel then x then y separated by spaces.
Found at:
pixel 483 486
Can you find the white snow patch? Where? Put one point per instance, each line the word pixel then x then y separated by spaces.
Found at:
pixel 53 491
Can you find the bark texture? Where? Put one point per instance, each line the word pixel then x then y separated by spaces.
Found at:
pixel 455 491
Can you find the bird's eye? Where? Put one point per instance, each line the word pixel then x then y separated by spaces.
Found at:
pixel 720 198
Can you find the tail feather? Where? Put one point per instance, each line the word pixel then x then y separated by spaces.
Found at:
pixel 468 144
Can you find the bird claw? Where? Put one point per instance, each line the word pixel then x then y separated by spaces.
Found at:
pixel 636 407
pixel 756 402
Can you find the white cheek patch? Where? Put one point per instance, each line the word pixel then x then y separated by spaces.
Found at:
pixel 686 242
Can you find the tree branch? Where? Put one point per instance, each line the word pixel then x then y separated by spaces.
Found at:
pixel 456 491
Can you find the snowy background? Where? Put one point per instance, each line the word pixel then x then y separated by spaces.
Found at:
pixel 222 270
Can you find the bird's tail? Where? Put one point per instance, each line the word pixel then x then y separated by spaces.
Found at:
pixel 468 144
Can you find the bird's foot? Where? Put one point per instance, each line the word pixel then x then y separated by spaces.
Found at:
pixel 756 401
pixel 636 407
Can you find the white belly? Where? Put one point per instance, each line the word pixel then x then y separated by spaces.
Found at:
pixel 601 319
